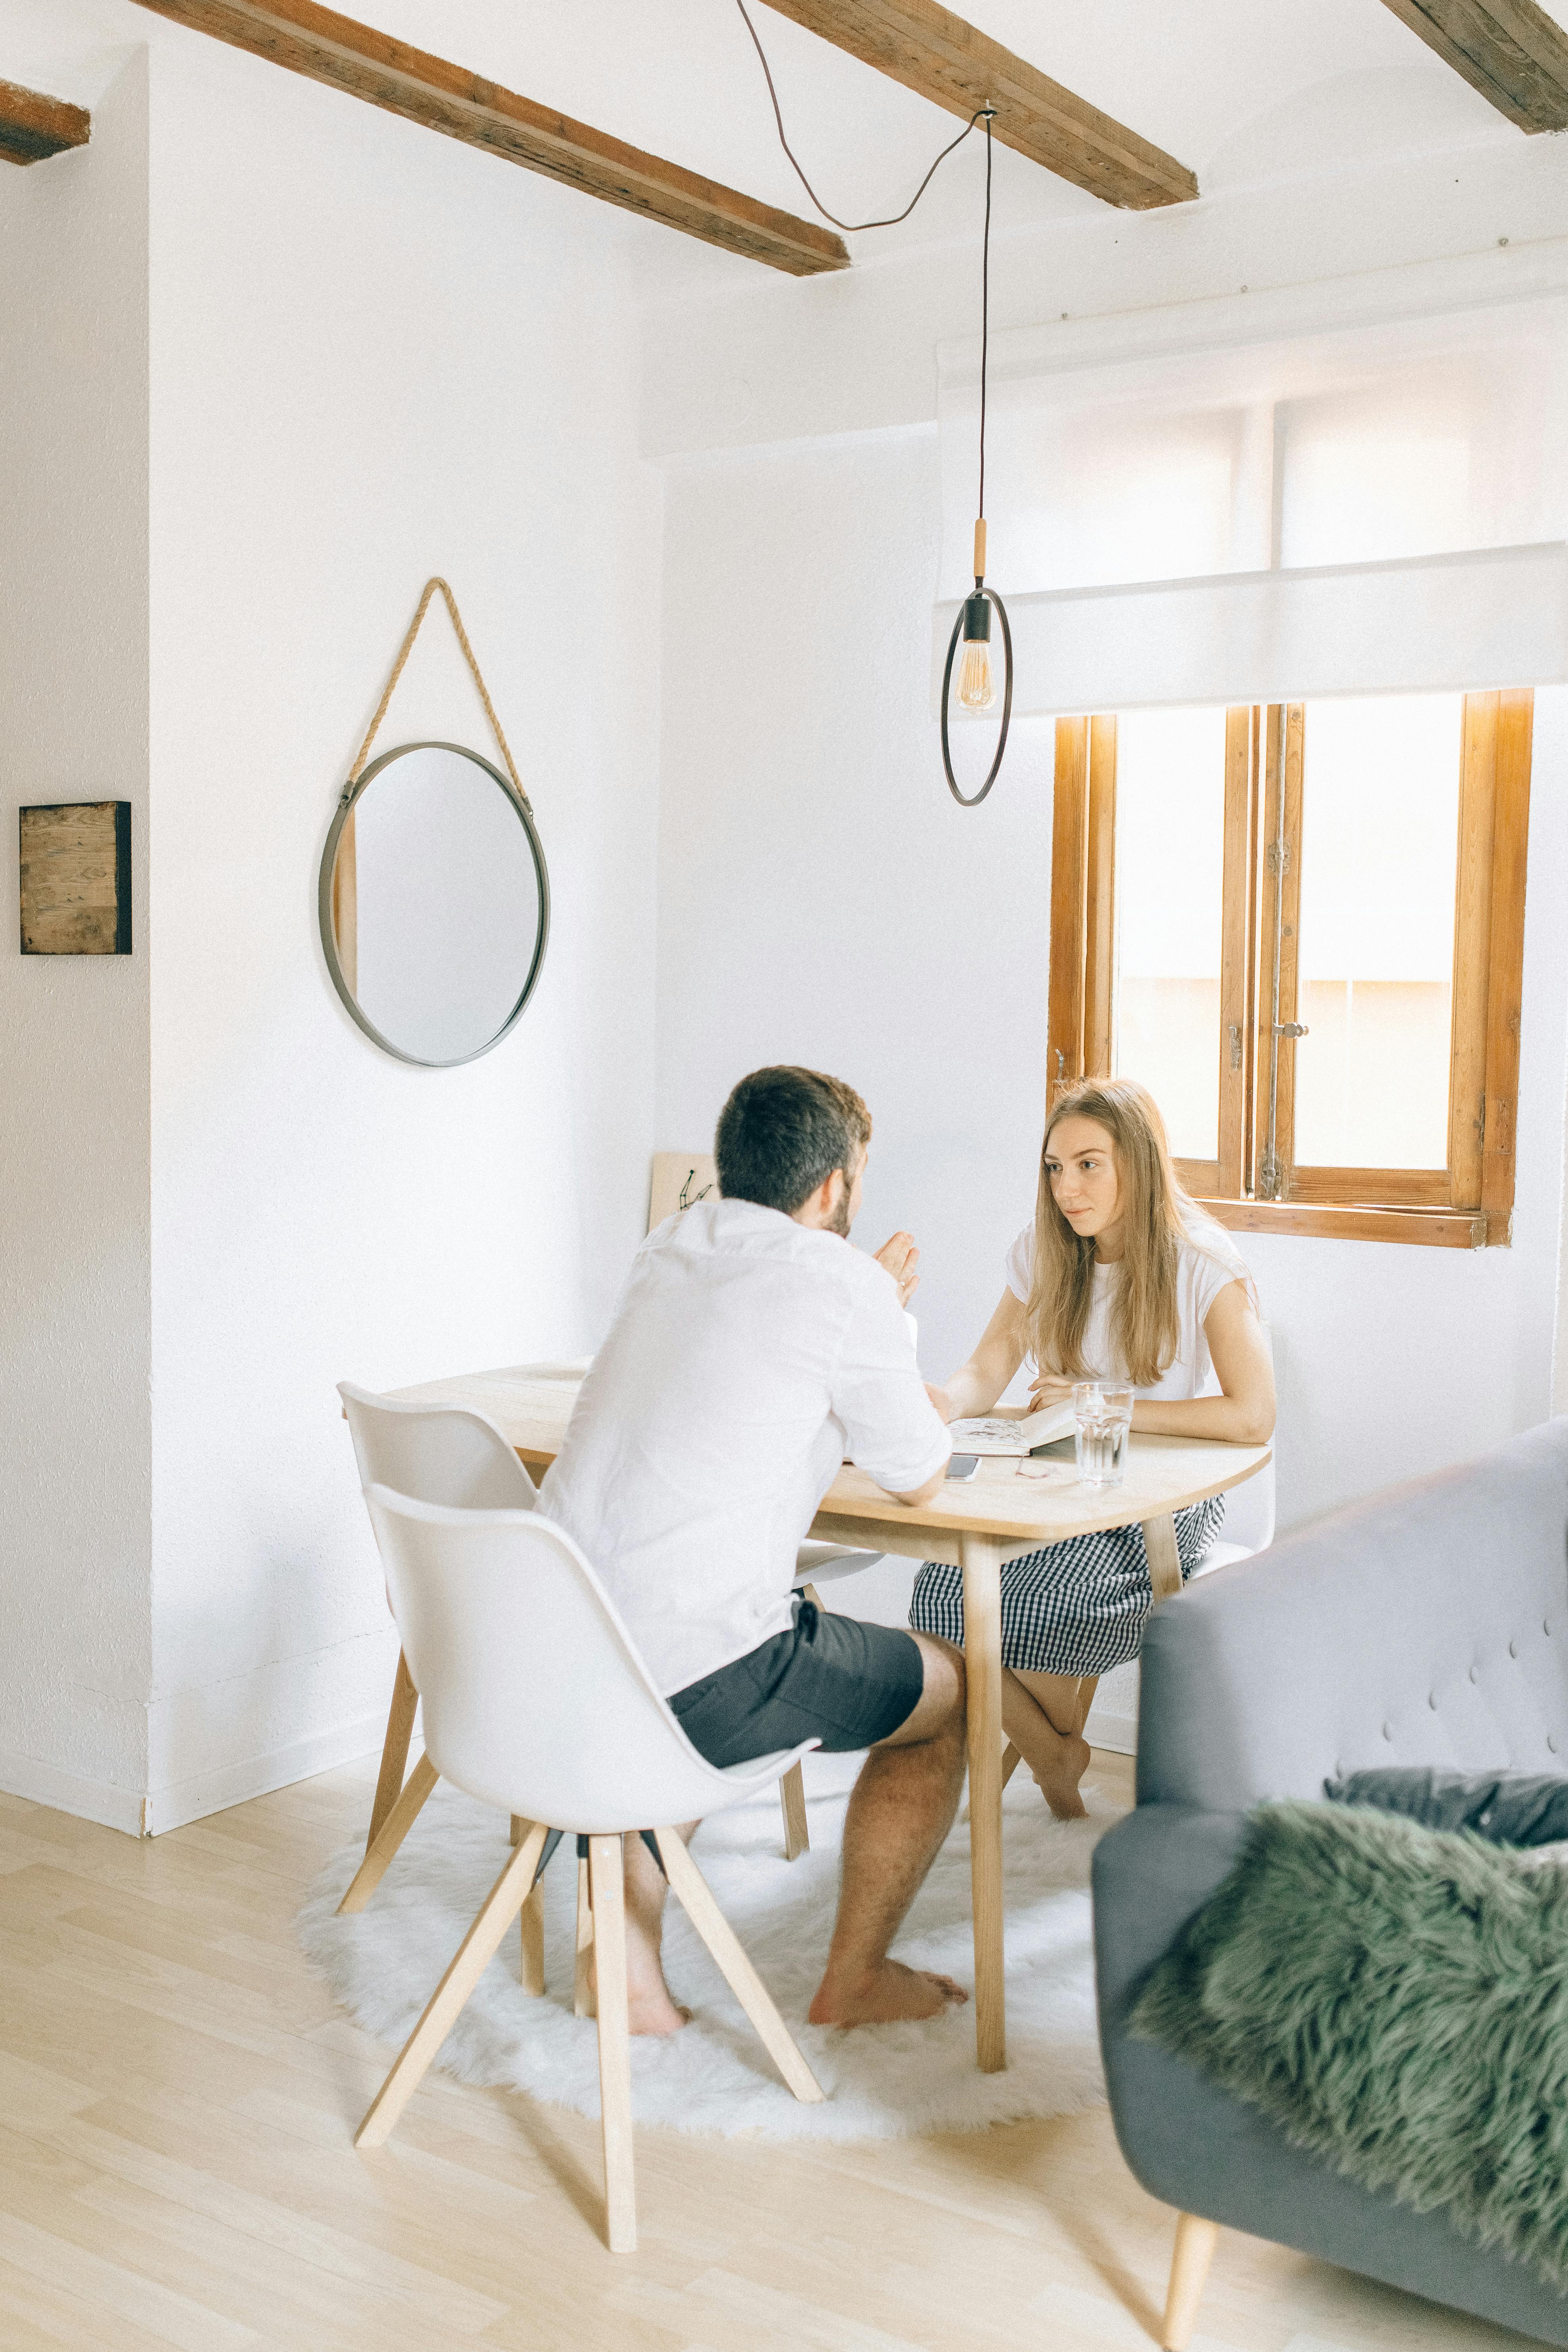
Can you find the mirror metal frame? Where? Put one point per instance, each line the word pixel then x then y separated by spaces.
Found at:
pixel 352 795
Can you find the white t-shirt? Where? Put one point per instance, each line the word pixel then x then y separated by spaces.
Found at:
pixel 748 1356
pixel 1207 1260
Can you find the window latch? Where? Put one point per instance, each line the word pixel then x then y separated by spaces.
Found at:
pixel 1235 1045
pixel 1290 1029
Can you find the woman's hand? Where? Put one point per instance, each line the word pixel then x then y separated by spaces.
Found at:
pixel 938 1397
pixel 1048 1389
pixel 901 1259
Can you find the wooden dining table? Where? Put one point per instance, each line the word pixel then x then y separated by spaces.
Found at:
pixel 1007 1508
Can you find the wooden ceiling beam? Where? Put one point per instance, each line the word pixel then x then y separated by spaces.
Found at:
pixel 369 65
pixel 929 49
pixel 32 126
pixel 1511 50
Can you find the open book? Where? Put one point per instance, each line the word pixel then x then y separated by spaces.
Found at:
pixel 992 1433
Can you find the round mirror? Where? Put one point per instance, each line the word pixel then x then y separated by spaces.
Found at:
pixel 435 904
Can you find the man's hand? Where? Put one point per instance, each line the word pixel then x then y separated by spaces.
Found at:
pixel 901 1258
pixel 1049 1389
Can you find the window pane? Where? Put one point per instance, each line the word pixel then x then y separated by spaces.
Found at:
pixel 1380 820
pixel 1170 870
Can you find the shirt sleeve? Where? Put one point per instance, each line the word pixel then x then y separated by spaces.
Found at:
pixel 1021 1265
pixel 1211 1273
pixel 891 1429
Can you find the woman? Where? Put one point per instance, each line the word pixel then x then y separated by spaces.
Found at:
pixel 1120 1277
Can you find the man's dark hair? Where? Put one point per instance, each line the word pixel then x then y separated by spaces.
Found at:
pixel 784 1131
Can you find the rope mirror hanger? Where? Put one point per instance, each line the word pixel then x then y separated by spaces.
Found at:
pixel 459 905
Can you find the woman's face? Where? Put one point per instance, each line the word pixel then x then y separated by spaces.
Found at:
pixel 1081 1163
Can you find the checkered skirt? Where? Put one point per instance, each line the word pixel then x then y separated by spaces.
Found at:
pixel 1075 1608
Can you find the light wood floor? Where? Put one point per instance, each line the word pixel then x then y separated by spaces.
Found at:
pixel 177 2096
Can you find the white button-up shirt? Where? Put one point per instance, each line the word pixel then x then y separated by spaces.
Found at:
pixel 748 1357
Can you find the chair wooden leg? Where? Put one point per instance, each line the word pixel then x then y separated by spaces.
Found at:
pixel 1164 1560
pixel 607 1881
pixel 394 1748
pixel 394 1830
pixel 792 1799
pixel 1196 2242
pixel 468 1963
pixel 742 1978
pixel 1011 1760
pixel 532 1919
pixel 518 1828
pixel 582 1983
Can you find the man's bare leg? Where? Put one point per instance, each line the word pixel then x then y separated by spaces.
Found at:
pixel 1043 1716
pixel 900 1811
pixel 648 2003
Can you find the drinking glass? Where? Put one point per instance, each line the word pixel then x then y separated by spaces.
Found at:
pixel 1102 1417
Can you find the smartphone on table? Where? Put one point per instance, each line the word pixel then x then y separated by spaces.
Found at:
pixel 963 1465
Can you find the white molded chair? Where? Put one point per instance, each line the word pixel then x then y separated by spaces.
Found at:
pixel 1248 1526
pixel 439 1453
pixel 596 1751
pixel 1248 1521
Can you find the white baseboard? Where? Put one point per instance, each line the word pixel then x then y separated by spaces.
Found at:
pixel 68 1792
pixel 1118 1732
pixel 257 1775
pixel 149 1815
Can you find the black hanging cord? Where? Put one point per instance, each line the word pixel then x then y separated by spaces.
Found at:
pixel 892 221
pixel 985 303
pixel 990 594
pixel 985 114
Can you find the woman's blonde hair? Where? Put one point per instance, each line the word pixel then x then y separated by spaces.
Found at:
pixel 1157 1215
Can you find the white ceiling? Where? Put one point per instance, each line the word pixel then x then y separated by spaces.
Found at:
pixel 1242 91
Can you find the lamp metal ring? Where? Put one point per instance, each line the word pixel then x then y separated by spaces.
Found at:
pixel 976 798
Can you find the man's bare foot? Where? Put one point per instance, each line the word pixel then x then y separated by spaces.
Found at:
pixel 888 1994
pixel 1060 1790
pixel 655 2013
pixel 650 2007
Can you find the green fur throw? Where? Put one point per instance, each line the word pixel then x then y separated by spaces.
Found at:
pixel 1395 1998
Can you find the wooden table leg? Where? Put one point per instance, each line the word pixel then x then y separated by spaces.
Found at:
pixel 394 1748
pixel 1164 1560
pixel 983 1558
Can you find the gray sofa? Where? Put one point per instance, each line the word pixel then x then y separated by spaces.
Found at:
pixel 1428 1625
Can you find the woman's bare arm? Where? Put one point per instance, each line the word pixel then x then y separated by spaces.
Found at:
pixel 1245 1413
pixel 976 1387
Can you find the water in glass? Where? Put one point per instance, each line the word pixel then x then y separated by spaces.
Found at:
pixel 1101 1418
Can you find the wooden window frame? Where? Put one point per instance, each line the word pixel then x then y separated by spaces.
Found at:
pixel 1467 1204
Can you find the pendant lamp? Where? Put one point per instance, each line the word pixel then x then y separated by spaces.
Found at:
pixel 976 677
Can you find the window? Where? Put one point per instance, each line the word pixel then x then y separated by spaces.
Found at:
pixel 1301 928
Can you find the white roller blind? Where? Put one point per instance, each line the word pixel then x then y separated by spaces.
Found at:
pixel 1307 495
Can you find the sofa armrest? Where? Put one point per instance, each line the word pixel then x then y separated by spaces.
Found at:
pixel 1152 1873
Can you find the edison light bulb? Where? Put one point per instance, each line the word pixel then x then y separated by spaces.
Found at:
pixel 975 689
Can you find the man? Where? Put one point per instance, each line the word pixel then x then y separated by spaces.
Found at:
pixel 753 1350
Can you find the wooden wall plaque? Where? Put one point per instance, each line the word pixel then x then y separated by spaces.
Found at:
pixel 76 878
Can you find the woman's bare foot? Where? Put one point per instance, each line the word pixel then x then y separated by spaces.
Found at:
pixel 887 1994
pixel 1059 1790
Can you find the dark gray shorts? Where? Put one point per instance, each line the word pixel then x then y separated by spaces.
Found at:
pixel 828 1678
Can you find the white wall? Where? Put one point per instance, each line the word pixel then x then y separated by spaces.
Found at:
pixel 361 355
pixel 376 355
pixel 821 898
pixel 75 1317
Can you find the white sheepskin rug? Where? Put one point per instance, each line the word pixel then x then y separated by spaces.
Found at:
pixel 714 2077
